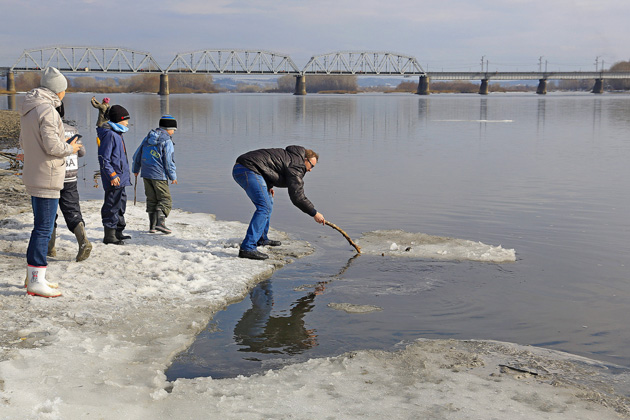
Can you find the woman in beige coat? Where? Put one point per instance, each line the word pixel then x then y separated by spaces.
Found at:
pixel 45 148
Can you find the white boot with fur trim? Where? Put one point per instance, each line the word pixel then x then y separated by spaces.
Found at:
pixel 37 284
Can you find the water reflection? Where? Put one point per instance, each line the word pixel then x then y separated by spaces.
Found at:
pixel 164 105
pixel 540 119
pixel 260 331
pixel 11 103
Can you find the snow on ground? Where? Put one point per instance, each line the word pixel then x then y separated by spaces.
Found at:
pixel 420 245
pixel 100 350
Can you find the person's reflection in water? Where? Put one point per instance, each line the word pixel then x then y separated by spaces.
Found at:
pixel 258 331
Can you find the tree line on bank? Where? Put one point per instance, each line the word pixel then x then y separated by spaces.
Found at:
pixel 201 83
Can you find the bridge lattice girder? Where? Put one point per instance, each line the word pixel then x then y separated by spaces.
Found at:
pixel 92 59
pixel 363 63
pixel 233 61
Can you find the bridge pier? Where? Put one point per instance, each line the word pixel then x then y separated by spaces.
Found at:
pixel 11 81
pixel 542 87
pixel 599 86
pixel 424 85
pixel 483 88
pixel 300 85
pixel 163 84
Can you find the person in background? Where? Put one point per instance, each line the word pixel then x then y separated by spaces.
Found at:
pixel 257 172
pixel 112 159
pixel 103 110
pixel 156 158
pixel 45 148
pixel 69 199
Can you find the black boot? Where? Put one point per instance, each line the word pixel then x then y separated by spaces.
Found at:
pixel 252 255
pixel 268 242
pixel 110 237
pixel 152 222
pixel 161 223
pixel 120 235
pixel 85 247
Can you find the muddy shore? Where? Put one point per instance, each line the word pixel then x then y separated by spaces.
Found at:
pixel 9 129
pixel 13 197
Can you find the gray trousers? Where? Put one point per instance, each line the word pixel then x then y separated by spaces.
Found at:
pixel 158 196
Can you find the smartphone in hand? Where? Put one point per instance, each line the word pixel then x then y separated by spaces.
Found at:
pixel 76 136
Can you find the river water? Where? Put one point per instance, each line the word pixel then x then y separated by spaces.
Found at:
pixel 546 176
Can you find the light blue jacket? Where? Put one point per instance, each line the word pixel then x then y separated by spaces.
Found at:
pixel 155 156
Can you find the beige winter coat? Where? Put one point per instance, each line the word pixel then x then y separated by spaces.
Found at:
pixel 43 142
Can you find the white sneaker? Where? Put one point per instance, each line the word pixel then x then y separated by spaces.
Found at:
pixel 37 284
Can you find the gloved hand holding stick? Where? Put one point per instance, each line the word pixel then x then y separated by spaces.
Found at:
pixel 345 235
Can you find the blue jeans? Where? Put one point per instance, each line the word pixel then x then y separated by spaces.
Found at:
pixel 257 191
pixel 44 213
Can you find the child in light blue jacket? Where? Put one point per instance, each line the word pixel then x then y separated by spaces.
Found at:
pixel 154 160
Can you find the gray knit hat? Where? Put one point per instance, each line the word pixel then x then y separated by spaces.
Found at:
pixel 53 80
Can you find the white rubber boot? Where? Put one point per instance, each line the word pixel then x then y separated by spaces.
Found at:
pixel 37 284
pixel 50 284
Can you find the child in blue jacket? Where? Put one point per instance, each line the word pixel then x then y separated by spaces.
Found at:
pixel 156 157
pixel 112 158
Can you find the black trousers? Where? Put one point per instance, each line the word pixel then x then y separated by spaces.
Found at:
pixel 113 210
pixel 69 206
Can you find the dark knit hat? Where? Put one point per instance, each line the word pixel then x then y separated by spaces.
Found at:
pixel 167 122
pixel 117 114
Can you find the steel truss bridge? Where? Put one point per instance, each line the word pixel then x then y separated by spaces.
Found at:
pixel 86 59
pixel 363 63
pixel 232 62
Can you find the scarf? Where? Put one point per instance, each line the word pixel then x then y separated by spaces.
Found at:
pixel 118 127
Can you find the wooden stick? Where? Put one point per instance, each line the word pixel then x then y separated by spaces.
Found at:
pixel 345 235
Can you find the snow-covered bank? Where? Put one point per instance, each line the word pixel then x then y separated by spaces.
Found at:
pixel 100 351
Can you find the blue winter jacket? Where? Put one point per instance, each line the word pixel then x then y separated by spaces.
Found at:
pixel 112 157
pixel 155 156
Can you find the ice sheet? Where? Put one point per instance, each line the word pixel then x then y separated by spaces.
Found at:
pixel 420 245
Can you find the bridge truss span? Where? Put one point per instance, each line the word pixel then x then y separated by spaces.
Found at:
pixel 87 59
pixel 233 61
pixel 363 63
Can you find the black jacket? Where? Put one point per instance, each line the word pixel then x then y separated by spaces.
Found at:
pixel 282 168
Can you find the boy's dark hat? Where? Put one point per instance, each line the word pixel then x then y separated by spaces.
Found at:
pixel 118 113
pixel 167 122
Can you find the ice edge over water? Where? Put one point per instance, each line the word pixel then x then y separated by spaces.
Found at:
pixel 420 245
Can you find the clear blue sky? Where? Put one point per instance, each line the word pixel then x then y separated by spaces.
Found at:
pixel 442 35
